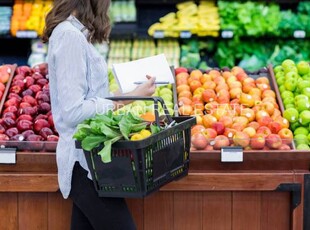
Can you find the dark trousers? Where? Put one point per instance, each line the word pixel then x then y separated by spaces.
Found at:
pixel 91 212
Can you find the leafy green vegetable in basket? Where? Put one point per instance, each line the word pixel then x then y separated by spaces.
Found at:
pixel 106 129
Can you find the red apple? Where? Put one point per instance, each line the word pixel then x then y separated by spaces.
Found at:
pixel 286 135
pixel 258 141
pixel 273 141
pixel 220 141
pixel 219 127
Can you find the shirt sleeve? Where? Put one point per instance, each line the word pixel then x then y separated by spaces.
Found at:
pixel 72 86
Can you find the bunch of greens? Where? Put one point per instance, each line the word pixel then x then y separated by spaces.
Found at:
pixel 249 18
pixel 254 54
pixel 107 129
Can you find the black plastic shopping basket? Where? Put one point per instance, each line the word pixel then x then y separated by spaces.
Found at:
pixel 139 168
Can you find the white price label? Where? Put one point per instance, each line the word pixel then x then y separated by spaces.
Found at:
pixel 159 34
pixel 299 34
pixel 26 34
pixel 185 34
pixel 232 154
pixel 227 34
pixel 7 156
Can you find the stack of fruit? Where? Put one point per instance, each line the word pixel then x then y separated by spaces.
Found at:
pixel 202 20
pixel 232 109
pixel 29 15
pixel 294 85
pixel 27 112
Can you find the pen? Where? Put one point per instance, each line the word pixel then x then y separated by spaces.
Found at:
pixel 156 82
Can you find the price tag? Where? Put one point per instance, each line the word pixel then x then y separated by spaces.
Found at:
pixel 7 155
pixel 26 34
pixel 227 34
pixel 185 34
pixel 159 34
pixel 232 154
pixel 299 34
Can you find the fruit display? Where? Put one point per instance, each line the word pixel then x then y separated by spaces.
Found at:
pixel 201 20
pixel 29 15
pixel 26 113
pixel 232 109
pixel 293 81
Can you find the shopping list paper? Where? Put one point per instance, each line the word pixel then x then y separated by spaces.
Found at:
pixel 129 73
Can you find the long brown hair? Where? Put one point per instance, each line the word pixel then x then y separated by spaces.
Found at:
pixel 93 14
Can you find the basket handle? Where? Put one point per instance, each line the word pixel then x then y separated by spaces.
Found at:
pixel 155 99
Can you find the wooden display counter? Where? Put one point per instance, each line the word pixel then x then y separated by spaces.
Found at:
pixel 268 190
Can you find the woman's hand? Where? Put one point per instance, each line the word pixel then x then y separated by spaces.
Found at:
pixel 145 89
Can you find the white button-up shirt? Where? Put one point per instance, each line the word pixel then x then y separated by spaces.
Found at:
pixel 78 85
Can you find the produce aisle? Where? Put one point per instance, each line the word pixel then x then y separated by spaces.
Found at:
pixel 266 185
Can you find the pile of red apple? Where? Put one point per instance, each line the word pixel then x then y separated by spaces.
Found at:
pixel 26 115
pixel 232 109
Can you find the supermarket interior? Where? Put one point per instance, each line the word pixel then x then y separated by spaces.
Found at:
pixel 237 116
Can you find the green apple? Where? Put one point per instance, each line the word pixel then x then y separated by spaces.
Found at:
pixel 306 91
pixel 165 91
pixel 282 88
pixel 291 74
pixel 280 80
pixel 301 97
pixel 277 69
pixel 306 76
pixel 301 130
pixel 290 84
pixel 304 117
pixel 302 147
pixel 169 104
pixel 290 69
pixel 286 94
pixel 302 105
pixel 301 139
pixel 169 86
pixel 291 114
pixel 279 74
pixel 287 62
pixel 288 100
pixel 167 97
pixel 294 125
pixel 303 84
pixel 303 67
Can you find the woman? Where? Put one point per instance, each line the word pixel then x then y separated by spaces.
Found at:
pixel 78 87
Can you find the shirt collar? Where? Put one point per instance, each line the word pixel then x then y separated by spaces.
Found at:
pixel 76 23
